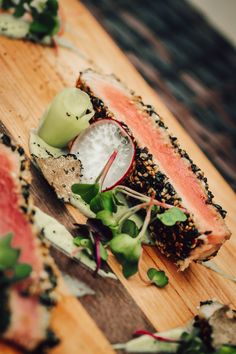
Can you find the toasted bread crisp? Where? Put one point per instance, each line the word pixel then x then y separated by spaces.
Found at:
pixel 61 173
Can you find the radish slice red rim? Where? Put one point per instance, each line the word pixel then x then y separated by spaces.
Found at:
pixel 94 148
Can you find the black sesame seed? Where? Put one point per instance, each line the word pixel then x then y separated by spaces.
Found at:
pixel 20 150
pixel 6 140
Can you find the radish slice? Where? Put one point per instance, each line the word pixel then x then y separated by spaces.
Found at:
pixel 94 148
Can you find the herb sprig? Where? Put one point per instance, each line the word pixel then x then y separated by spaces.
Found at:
pixel 122 234
pixel 11 271
pixel 126 238
pixel 43 14
pixel 186 343
pixel 193 343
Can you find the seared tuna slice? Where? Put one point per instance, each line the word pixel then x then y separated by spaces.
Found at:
pixel 217 324
pixel 24 305
pixel 163 167
pixel 211 331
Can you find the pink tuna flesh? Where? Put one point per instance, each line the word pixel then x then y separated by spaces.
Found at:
pixel 148 134
pixel 29 319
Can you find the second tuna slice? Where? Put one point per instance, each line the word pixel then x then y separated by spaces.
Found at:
pixel 162 167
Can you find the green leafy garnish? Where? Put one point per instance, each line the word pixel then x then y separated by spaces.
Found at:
pixel 103 252
pixel 12 271
pixel 89 246
pixel 86 191
pixel 84 243
pixel 171 216
pixel 129 227
pixel 157 277
pixel 126 246
pixel 226 349
pixel 107 218
pixel 44 20
pixel 191 343
pixel 129 268
pixel 8 257
pixel 103 201
pixel 126 237
pixel 21 271
pixel 128 251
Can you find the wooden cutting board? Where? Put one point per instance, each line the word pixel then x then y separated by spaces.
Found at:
pixel 30 76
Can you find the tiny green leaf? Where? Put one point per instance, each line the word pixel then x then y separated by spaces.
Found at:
pixel 77 240
pixel 12 271
pixel 171 216
pixel 103 201
pixel 191 343
pixel 5 241
pixel 86 191
pixel 85 243
pixel 107 218
pixel 226 349
pixel 127 247
pixel 129 268
pixel 129 227
pixel 114 230
pixel 157 277
pixel 19 11
pixel 8 257
pixel 103 252
pixel 21 271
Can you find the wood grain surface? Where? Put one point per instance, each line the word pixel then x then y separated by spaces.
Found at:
pixel 30 76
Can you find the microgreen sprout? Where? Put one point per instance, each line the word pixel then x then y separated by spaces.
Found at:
pixel 43 15
pixel 136 195
pixel 157 277
pixel 142 332
pixel 11 270
pixel 126 238
pixel 101 178
pixel 90 243
pixel 97 253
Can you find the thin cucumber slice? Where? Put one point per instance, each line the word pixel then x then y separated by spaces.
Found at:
pixel 68 114
pixel 61 238
pixel 147 344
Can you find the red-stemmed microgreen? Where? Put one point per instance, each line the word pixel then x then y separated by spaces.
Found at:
pixel 90 242
pixel 101 177
pixel 97 253
pixel 131 211
pixel 139 196
pixel 142 332
pixel 126 239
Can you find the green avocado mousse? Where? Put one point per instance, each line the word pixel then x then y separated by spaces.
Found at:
pixel 67 115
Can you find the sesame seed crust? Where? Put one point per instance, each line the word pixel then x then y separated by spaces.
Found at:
pixel 45 286
pixel 146 177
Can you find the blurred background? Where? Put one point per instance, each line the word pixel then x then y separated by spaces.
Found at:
pixel 186 51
